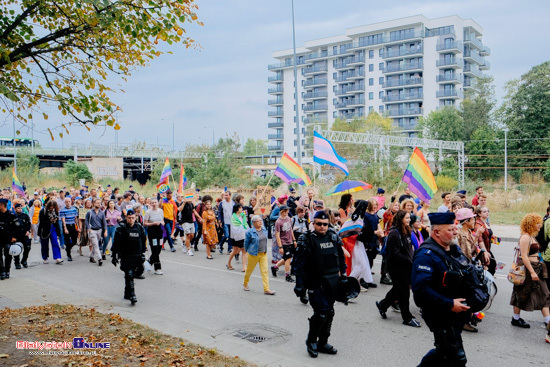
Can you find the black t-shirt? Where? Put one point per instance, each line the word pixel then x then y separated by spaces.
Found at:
pixel 370 225
pixel 187 213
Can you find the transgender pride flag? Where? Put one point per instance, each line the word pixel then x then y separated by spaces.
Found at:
pixel 324 153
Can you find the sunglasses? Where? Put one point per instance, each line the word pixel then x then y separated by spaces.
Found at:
pixel 321 224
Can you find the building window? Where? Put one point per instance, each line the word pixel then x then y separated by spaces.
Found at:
pixel 334 63
pixel 334 101
pixel 381 80
pixel 334 114
pixel 371 67
pixel 334 76
pixel 371 54
pixel 371 81
pixel 381 66
pixel 295 144
pixel 381 108
pixel 381 94
pixel 370 109
pixel 371 95
pixel 380 52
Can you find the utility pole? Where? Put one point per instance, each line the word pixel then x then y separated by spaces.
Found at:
pixel 298 133
pixel 506 158
pixel 14 142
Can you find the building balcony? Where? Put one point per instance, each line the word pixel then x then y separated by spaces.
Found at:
pixel 278 113
pixel 275 79
pixel 473 41
pixel 275 136
pixel 403 97
pixel 317 69
pixel 357 60
pixel 357 74
pixel 317 107
pixel 351 115
pixel 486 51
pixel 485 66
pixel 452 63
pixel 342 79
pixel 472 70
pixel 439 32
pixel 454 46
pixel 355 88
pixel 350 103
pixel 315 82
pixel 405 112
pixel 402 82
pixel 343 65
pixel 395 69
pixel 454 78
pixel 275 102
pixel 312 121
pixel 315 95
pixel 403 36
pixel 341 91
pixel 275 125
pixel 286 64
pixel 400 53
pixel 275 148
pixel 473 57
pixel 277 90
pixel 449 94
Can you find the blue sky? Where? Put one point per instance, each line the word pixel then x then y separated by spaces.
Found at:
pixel 223 87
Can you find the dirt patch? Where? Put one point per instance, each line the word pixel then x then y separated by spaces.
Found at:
pixel 131 344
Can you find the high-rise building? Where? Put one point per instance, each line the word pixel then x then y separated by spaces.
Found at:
pixel 401 68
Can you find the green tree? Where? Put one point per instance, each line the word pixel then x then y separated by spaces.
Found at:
pixel 28 164
pixel 61 52
pixel 76 171
pixel 477 106
pixel 485 154
pixel 255 147
pixel 443 124
pixel 526 112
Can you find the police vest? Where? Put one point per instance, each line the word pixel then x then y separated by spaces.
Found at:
pixel 325 254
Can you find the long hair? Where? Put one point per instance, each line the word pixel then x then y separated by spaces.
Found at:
pixel 52 204
pixel 398 222
pixel 360 209
pixel 529 223
pixel 344 201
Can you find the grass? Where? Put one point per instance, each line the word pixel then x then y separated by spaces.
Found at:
pixel 132 344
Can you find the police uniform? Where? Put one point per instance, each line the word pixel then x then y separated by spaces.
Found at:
pixel 435 296
pixel 6 238
pixel 318 264
pixel 129 247
pixel 22 226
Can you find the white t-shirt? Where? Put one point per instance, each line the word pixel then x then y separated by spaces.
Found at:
pixel 154 215
pixel 227 211
pixel 443 209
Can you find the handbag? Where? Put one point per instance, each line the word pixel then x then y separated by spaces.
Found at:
pixel 517 273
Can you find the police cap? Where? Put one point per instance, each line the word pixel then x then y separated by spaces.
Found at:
pixel 320 215
pixel 130 212
pixel 441 218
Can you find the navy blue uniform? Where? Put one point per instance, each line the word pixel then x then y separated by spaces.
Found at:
pixel 7 231
pixel 436 302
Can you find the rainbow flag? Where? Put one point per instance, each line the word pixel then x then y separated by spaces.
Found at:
pixel 183 180
pixel 324 153
pixel 289 171
pixel 16 185
pixel 166 172
pixel 419 176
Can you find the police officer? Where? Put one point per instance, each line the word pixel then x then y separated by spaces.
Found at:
pixel 6 238
pixel 444 312
pixel 22 231
pixel 319 266
pixel 129 247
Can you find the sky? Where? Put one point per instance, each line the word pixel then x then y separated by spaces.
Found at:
pixel 222 87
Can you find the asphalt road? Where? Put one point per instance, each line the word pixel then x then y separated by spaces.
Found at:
pixel 202 293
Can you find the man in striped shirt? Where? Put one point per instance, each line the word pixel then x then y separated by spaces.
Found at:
pixel 69 216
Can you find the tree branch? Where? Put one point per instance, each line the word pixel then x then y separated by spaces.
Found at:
pixel 19 20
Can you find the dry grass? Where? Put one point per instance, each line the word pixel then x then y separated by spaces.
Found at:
pixel 131 344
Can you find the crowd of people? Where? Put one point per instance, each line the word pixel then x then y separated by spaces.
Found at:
pixel 104 219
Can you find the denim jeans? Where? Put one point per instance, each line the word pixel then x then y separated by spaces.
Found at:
pixel 61 238
pixel 110 236
pixel 226 237
pixel 168 225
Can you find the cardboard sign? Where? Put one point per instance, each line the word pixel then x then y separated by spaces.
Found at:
pixel 263 197
pixel 189 195
pixel 82 213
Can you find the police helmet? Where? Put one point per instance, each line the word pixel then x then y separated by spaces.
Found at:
pixel 348 290
pixel 16 249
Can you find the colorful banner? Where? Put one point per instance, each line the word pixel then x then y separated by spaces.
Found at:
pixel 324 153
pixel 290 171
pixel 419 176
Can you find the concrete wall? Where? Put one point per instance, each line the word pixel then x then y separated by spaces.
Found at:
pixel 105 167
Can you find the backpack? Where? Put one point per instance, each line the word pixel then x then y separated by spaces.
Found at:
pixel 473 285
pixel 541 238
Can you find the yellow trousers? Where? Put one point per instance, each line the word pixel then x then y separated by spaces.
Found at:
pixel 261 258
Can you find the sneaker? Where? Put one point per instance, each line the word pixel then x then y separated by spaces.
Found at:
pixel 386 280
pixel 196 249
pixel 269 293
pixel 103 257
pixel 172 249
pixel 274 271
pixel 221 251
pixel 382 312
pixel 372 285
pixel 520 323
pixel 547 339
pixel 237 257
pixel 190 253
pixel 289 279
pixel 470 328
pixel 100 262
pixel 107 252
pixel 45 261
pixel 395 307
pixel 18 266
pixel 412 322
pixel 69 258
pixel 245 287
pixel 24 263
pixel 158 272
pixel 92 260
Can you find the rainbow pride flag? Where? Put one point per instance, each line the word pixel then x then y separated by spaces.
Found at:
pixel 183 180
pixel 166 172
pixel 290 171
pixel 419 176
pixel 16 185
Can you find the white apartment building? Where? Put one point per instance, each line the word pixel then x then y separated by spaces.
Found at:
pixel 401 68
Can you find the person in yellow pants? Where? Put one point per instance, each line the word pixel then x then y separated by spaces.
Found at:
pixel 255 244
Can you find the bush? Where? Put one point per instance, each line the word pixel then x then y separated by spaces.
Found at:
pixel 445 183
pixel 76 171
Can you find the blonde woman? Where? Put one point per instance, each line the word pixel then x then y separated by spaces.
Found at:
pixel 34 215
pixel 533 293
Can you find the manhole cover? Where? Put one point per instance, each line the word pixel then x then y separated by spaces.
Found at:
pixel 253 338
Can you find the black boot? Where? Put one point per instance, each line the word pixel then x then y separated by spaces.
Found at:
pixel 315 324
pixel 129 292
pixel 363 283
pixel 324 346
pixel 24 263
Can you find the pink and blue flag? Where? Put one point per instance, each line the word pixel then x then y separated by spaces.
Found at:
pixel 324 153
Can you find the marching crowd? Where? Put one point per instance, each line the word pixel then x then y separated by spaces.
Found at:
pixel 126 225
